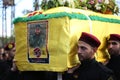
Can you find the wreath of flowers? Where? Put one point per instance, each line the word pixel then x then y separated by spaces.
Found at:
pixel 102 6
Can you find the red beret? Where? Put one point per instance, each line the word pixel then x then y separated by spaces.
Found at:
pixel 9 46
pixel 114 37
pixel 90 39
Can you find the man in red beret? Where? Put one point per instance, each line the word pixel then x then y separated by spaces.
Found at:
pixel 89 69
pixel 10 50
pixel 113 47
pixel 13 73
pixel 9 46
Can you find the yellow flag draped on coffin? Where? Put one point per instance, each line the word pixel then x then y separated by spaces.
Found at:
pixel 60 28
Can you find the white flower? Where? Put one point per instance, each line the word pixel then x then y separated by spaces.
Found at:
pixel 115 8
pixel 81 0
pixel 98 6
pixel 106 2
pixel 61 1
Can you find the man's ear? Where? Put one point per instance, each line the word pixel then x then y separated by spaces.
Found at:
pixel 95 49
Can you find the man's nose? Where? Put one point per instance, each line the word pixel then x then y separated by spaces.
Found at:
pixel 110 46
pixel 79 50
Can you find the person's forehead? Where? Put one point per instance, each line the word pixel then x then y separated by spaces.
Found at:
pixel 82 43
pixel 113 41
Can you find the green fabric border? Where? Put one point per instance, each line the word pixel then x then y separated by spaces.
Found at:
pixel 64 14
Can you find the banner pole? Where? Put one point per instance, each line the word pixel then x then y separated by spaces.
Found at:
pixel 59 76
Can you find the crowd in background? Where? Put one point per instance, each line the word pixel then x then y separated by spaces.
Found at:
pixel 9 71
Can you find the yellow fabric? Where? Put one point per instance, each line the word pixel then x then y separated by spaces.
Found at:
pixel 102 30
pixel 63 34
pixel 58 46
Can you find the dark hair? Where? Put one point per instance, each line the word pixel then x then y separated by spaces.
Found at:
pixel 37 26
